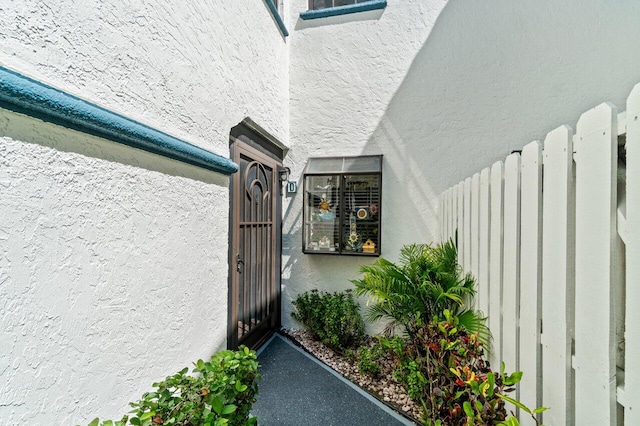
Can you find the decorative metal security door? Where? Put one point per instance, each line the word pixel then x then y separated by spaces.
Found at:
pixel 255 248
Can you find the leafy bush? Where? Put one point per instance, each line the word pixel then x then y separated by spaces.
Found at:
pixel 443 368
pixel 221 393
pixel 426 282
pixel 333 318
pixel 369 358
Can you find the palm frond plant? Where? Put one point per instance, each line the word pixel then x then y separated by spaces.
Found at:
pixel 426 281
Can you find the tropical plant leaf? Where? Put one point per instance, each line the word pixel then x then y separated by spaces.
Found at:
pixel 425 282
pixel 515 402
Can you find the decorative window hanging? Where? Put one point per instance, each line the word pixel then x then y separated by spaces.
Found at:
pixel 342 208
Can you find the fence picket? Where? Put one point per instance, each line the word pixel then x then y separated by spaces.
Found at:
pixel 530 270
pixel 453 200
pixel 557 277
pixel 511 264
pixel 495 261
pixel 460 235
pixel 439 236
pixel 595 357
pixel 466 264
pixel 454 211
pixel 449 214
pixel 632 311
pixel 445 216
pixel 483 243
pixel 475 223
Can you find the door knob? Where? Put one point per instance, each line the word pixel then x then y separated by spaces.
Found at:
pixel 239 264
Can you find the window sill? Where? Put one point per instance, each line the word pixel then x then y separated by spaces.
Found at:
pixel 277 17
pixel 343 10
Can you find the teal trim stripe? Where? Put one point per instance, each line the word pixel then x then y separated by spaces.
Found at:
pixel 343 10
pixel 30 97
pixel 274 11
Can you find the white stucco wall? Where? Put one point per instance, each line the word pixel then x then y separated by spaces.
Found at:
pixel 113 261
pixel 442 89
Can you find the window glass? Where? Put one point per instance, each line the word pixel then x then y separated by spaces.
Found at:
pixel 365 163
pixel 325 165
pixel 321 4
pixel 324 4
pixel 362 164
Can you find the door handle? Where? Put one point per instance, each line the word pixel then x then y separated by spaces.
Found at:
pixel 239 264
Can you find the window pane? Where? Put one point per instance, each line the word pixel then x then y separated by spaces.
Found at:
pixel 321 4
pixel 324 4
pixel 365 163
pixel 324 165
pixel 362 164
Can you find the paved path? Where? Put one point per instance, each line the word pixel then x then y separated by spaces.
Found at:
pixel 298 390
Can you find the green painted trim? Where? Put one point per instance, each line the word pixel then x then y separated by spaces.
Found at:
pixel 30 97
pixel 343 10
pixel 274 11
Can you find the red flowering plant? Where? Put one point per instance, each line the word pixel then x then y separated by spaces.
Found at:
pixel 443 367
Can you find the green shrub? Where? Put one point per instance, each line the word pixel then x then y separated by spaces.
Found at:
pixel 369 358
pixel 221 393
pixel 426 281
pixel 332 318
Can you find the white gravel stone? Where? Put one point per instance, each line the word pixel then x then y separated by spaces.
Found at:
pixel 385 387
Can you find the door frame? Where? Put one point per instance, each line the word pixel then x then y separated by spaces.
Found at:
pixel 261 146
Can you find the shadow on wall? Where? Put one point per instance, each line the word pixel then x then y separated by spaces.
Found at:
pixel 491 77
pixel 31 130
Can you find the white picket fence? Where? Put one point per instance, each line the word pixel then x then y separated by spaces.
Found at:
pixel 552 235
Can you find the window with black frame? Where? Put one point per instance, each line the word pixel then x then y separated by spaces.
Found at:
pixel 342 205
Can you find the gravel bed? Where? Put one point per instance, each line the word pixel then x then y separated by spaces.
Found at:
pixel 384 387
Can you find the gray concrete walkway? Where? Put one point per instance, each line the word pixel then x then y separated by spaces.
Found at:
pixel 298 390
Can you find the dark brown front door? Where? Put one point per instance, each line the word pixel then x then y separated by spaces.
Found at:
pixel 254 304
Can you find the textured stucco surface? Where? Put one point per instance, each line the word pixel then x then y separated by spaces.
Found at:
pixel 193 69
pixel 113 261
pixel 442 89
pixel 108 279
